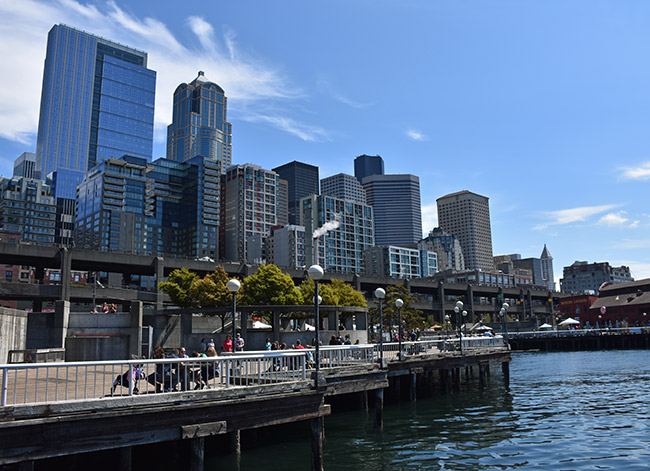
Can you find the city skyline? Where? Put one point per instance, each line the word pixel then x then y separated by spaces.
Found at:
pixel 540 107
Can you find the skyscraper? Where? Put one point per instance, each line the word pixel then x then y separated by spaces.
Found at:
pixel 366 165
pixel 302 180
pixel 199 125
pixel 547 268
pixel 395 200
pixel 25 165
pixel 97 102
pixel 467 215
pixel 343 186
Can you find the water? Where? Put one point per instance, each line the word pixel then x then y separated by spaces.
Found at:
pixel 563 411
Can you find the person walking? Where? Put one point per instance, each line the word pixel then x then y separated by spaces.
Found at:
pixel 239 343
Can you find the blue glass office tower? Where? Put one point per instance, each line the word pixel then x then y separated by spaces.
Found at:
pixel 302 180
pixel 97 102
pixel 199 125
pixel 367 165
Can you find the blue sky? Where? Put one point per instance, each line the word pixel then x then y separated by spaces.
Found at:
pixel 543 106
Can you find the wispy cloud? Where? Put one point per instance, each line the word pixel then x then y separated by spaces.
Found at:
pixel 640 172
pixel 613 219
pixel 416 135
pixel 429 217
pixel 247 80
pixel 568 216
pixel 303 131
pixel 326 87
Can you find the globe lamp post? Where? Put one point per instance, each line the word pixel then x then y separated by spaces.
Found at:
pixel 399 303
pixel 233 286
pixel 379 294
pixel 316 272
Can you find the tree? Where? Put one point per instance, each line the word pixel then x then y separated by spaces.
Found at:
pixel 211 291
pixel 334 293
pixel 270 286
pixel 178 285
pixel 411 317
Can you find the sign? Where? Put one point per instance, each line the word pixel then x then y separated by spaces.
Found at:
pixel 603 310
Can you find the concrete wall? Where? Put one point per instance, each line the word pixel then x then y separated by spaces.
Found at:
pixel 13 332
pixel 97 348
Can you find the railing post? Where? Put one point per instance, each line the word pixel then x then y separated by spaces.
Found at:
pixel 304 367
pixel 5 380
pixel 130 379
pixel 228 371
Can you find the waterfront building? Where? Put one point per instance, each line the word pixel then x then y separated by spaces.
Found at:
pixel 540 268
pixel 367 165
pixel 286 246
pixel 302 180
pixel 399 262
pixel 582 277
pixel 493 278
pixel 25 166
pixel 341 248
pixel 626 304
pixel 97 103
pixel 28 208
pixel 467 215
pixel 199 123
pixel 249 208
pixel 395 200
pixel 345 187
pixel 447 247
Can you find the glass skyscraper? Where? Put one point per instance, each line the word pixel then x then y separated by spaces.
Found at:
pixel 302 180
pixel 367 165
pixel 97 103
pixel 199 125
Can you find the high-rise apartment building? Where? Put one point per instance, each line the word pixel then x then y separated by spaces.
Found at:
pixel 395 200
pixel 25 166
pixel 337 247
pixel 447 247
pixel 366 165
pixel 286 246
pixel 345 187
pixel 400 262
pixel 302 180
pixel 97 103
pixel 467 215
pixel 27 208
pixel 249 211
pixel 199 123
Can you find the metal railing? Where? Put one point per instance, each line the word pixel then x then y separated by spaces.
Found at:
pixel 563 332
pixel 443 345
pixel 331 356
pixel 56 382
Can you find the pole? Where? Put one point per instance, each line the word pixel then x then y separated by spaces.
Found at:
pixel 317 320
pixel 94 290
pixel 234 324
pixel 381 333
pixel 399 315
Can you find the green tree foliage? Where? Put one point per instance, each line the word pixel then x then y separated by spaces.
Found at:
pixel 211 290
pixel 178 285
pixel 270 286
pixel 334 293
pixel 411 318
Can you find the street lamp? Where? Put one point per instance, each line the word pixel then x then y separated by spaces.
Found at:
pixel 316 272
pixel 457 310
pixel 233 286
pixel 399 303
pixel 379 294
pixel 464 322
pixel 504 309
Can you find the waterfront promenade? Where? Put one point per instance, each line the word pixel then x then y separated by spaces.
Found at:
pixel 57 409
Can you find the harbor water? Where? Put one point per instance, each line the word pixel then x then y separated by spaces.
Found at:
pixel 562 411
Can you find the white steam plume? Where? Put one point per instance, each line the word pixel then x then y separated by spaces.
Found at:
pixel 325 228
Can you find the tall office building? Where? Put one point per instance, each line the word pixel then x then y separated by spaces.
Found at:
pixel 345 187
pixel 199 125
pixel 27 208
pixel 25 166
pixel 302 180
pixel 367 165
pixel 547 268
pixel 97 102
pixel 340 249
pixel 249 211
pixel 447 247
pixel 395 200
pixel 467 215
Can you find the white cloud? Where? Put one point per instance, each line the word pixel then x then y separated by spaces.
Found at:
pixel 613 219
pixel 416 135
pixel 639 270
pixel 633 244
pixel 568 216
pixel 303 131
pixel 247 80
pixel 429 217
pixel 326 87
pixel 642 172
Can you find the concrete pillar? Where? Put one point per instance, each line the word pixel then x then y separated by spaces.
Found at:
pixel 186 328
pixel 441 298
pixel 61 320
pixel 276 325
pixel 135 334
pixel 243 325
pixel 332 320
pixel 159 273
pixel 397 388
pixel 379 408
pixel 469 303
pixel 197 454
pixel 529 301
pixel 66 265
pixel 37 305
pixel 363 400
pixel 317 427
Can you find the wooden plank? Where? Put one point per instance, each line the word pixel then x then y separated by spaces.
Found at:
pixel 203 430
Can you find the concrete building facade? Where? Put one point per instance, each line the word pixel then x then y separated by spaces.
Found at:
pixel 583 277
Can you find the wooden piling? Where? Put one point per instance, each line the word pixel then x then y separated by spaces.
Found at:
pixel 317 427
pixel 414 384
pixel 124 456
pixel 505 367
pixel 197 454
pixel 379 408
pixel 481 375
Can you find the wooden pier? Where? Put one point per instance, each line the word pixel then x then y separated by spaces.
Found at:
pixel 34 434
